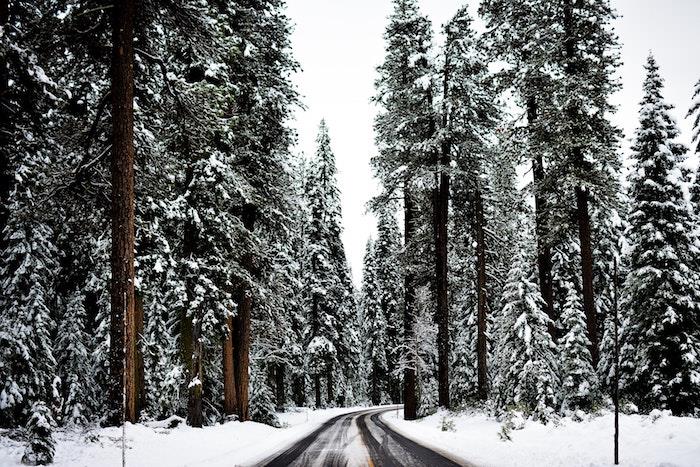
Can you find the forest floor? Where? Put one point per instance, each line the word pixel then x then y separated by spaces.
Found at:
pixel 652 440
pixel 149 445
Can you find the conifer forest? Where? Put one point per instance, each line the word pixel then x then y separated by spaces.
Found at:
pixel 172 262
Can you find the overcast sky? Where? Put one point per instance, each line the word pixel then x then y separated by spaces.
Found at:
pixel 339 44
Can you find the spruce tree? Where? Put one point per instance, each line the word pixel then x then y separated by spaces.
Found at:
pixel 578 379
pixel 661 337
pixel 374 327
pixel 41 445
pixel 527 373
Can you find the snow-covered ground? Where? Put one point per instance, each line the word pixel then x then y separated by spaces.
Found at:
pixel 644 440
pixel 229 444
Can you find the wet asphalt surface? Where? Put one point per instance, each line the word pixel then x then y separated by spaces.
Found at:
pixel 357 439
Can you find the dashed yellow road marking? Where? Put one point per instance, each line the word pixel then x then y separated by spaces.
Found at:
pixel 369 462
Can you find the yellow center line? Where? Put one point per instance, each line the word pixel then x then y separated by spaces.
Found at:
pixel 369 462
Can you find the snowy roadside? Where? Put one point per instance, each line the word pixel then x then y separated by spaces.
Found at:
pixel 228 445
pixel 644 440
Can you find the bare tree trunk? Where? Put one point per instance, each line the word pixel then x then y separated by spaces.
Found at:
pixel 584 229
pixel 544 252
pixel 280 386
pixel 481 342
pixel 141 381
pixel 329 384
pixel 5 131
pixel 122 359
pixel 241 353
pixel 230 399
pixel 440 218
pixel 242 325
pixel 409 373
pixel 317 385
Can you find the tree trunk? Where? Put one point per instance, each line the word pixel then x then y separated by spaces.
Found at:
pixel 141 381
pixel 122 357
pixel 241 355
pixel 582 213
pixel 481 342
pixel 440 218
pixel 317 384
pixel 299 390
pixel 230 399
pixel 5 131
pixel 242 325
pixel 280 389
pixel 409 373
pixel 544 252
pixel 584 229
pixel 329 384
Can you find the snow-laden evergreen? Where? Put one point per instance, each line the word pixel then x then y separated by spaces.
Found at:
pixel 527 369
pixel 374 328
pixel 579 385
pixel 661 337
pixel 41 445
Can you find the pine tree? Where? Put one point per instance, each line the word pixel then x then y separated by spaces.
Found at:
pixel 578 379
pixel 374 327
pixel 526 364
pixel 262 407
pixel 387 248
pixel 41 445
pixel 404 126
pixel 661 339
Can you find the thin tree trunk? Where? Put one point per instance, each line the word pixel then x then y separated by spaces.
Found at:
pixel 299 390
pixel 544 252
pixel 230 399
pixel 582 212
pixel 409 373
pixel 141 381
pixel 123 339
pixel 441 206
pixel 280 383
pixel 5 131
pixel 584 229
pixel 481 342
pixel 440 219
pixel 317 385
pixel 329 384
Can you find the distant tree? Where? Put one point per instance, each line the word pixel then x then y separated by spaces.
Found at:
pixel 374 327
pixel 661 337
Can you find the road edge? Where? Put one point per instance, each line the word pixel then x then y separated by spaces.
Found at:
pixel 438 449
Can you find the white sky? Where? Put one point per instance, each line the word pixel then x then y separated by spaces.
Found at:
pixel 339 43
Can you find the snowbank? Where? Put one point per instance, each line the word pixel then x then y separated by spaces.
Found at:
pixel 644 440
pixel 228 445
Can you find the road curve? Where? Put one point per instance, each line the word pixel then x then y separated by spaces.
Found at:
pixel 357 439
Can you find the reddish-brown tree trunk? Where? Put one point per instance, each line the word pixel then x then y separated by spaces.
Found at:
pixel 242 326
pixel 544 252
pixel 584 230
pixel 582 212
pixel 410 403
pixel 230 399
pixel 481 341
pixel 123 340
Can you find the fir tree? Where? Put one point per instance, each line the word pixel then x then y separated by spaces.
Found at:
pixel 526 366
pixel 578 380
pixel 374 327
pixel 41 445
pixel 262 407
pixel 661 340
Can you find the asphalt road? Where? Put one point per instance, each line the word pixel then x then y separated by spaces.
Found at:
pixel 357 439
